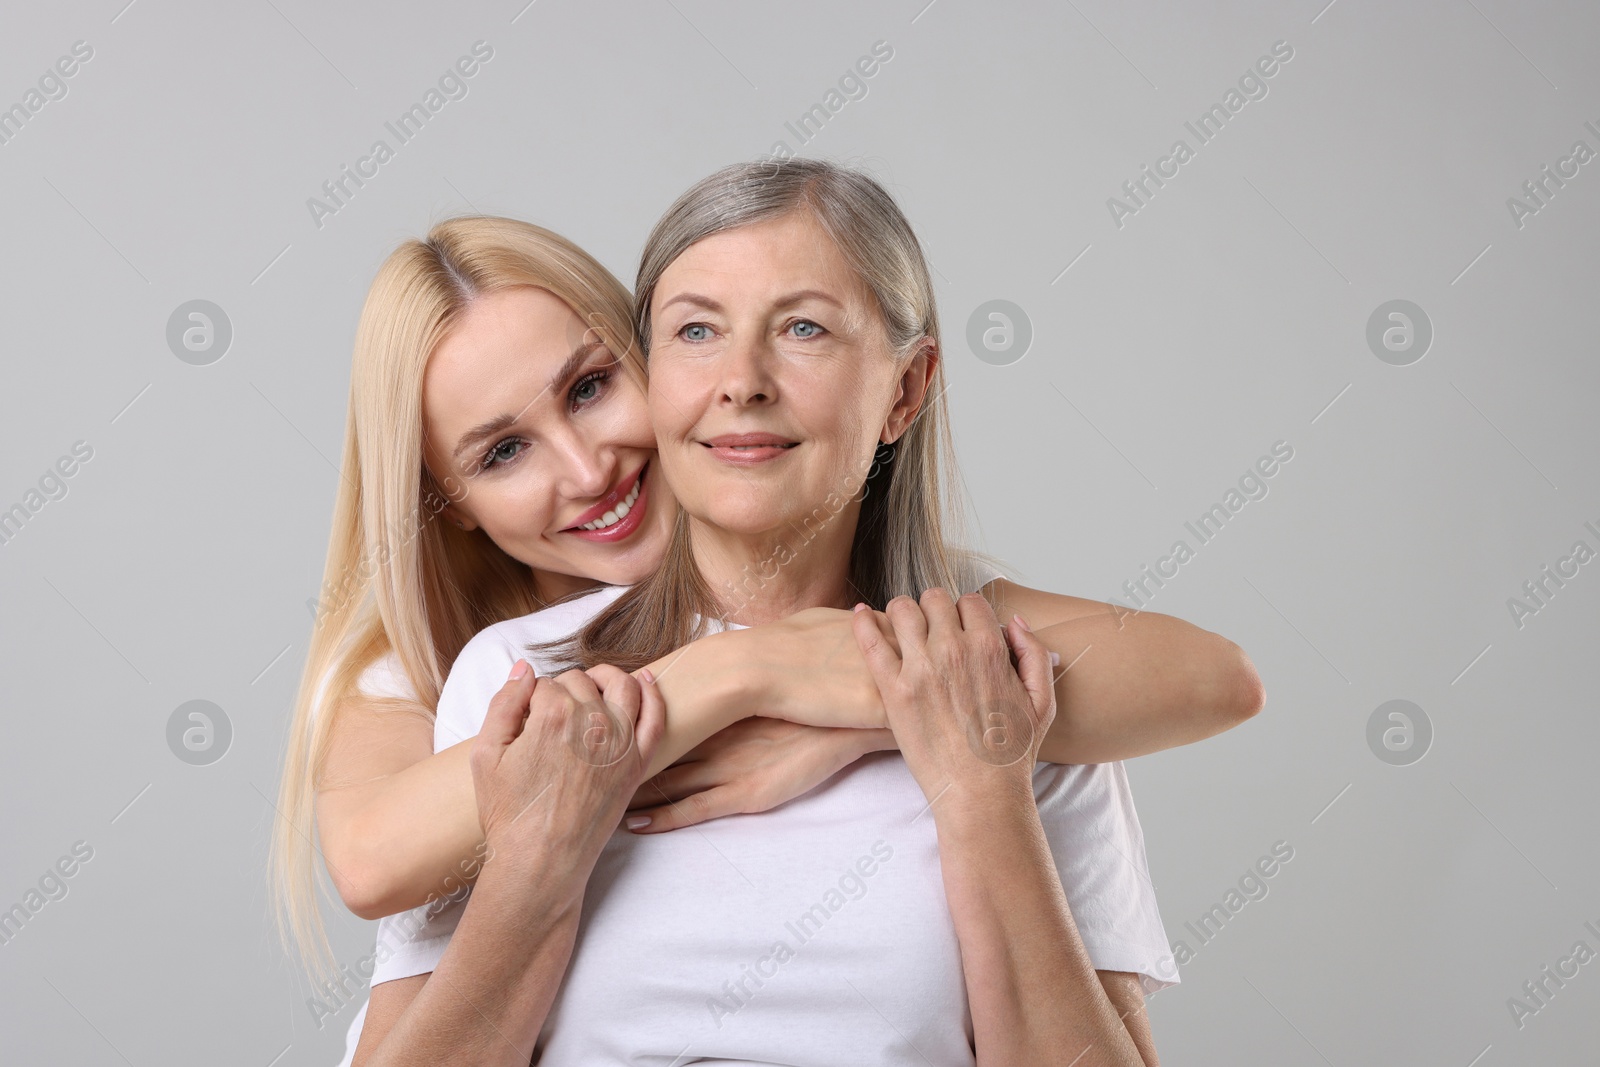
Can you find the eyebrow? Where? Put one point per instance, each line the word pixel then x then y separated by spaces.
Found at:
pixel 478 434
pixel 787 300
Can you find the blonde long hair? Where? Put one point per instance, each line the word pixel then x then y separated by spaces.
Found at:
pixel 395 579
pixel 910 520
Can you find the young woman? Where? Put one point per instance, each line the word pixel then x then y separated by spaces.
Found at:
pixel 807 337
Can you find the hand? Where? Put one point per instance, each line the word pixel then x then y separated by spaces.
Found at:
pixel 753 765
pixel 961 713
pixel 557 759
pixel 811 671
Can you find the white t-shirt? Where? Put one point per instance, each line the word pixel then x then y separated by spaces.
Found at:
pixel 816 933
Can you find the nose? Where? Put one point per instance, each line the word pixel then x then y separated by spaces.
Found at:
pixel 586 469
pixel 747 377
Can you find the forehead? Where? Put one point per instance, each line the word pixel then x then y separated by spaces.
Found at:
pixel 790 253
pixel 504 344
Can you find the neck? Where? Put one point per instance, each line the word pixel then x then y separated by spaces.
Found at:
pixel 549 587
pixel 758 578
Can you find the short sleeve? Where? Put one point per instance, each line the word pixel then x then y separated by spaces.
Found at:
pixel 1094 834
pixel 413 942
pixel 477 675
pixel 383 678
pixel 977 570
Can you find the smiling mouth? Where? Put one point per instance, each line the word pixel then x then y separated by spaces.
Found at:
pixel 618 513
pixel 748 449
pixel 615 509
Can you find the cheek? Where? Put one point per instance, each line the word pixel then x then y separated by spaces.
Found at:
pixel 627 420
pixel 516 511
pixel 669 410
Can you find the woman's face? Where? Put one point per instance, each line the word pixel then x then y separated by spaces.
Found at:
pixel 771 378
pixel 550 437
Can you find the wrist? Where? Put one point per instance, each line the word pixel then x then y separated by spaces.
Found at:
pixel 711 680
pixel 738 676
pixel 534 883
pixel 983 807
pixel 874 739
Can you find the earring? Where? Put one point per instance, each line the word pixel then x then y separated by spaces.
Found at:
pixel 461 524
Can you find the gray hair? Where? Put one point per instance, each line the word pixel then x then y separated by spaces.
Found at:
pixel 857 212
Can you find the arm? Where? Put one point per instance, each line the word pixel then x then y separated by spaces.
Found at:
pixel 488 999
pixel 547 812
pixel 1131 683
pixel 969 728
pixel 396 819
pixel 1035 996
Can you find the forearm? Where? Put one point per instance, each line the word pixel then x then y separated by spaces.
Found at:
pixel 414 835
pixel 704 687
pixel 1034 994
pixel 1142 683
pixel 488 999
pixel 399 841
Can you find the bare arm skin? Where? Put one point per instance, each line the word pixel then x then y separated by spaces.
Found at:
pixel 1033 992
pixel 547 813
pixel 396 819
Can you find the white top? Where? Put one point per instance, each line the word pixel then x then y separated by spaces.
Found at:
pixel 816 933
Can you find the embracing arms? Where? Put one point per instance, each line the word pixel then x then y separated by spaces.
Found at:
pixel 395 818
pixel 547 812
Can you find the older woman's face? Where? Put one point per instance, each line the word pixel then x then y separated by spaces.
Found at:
pixel 771 378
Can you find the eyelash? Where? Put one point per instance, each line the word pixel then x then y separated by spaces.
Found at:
pixel 790 326
pixel 488 462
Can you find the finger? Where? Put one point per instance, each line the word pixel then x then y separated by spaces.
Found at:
pixel 943 620
pixel 652 720
pixel 580 685
pixel 910 624
pixel 691 810
pixel 508 709
pixel 976 614
pixel 882 661
pixel 677 782
pixel 618 688
pixel 1033 667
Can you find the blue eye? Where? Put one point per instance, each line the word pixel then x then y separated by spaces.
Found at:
pixel 502 452
pixel 695 331
pixel 805 328
pixel 587 388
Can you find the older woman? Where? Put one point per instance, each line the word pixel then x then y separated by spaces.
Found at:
pixel 792 334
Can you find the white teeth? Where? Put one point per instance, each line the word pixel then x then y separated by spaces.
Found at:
pixel 611 518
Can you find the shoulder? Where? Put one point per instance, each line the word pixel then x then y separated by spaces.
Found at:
pixel 976 570
pixel 554 623
pixel 481 668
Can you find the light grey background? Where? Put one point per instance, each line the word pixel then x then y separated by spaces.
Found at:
pixel 1168 354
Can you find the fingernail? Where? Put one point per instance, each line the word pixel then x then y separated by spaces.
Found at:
pixel 1023 623
pixel 1055 659
pixel 637 821
pixel 648 679
pixel 518 669
pixel 861 607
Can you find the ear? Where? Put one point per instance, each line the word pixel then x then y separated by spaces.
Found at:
pixel 911 392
